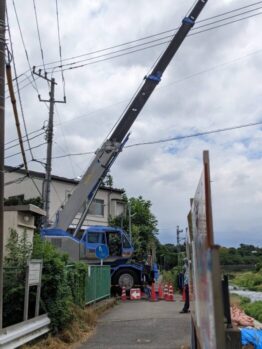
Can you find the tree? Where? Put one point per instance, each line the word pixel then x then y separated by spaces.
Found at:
pixel 108 181
pixel 143 226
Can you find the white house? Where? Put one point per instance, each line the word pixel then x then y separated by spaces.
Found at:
pixel 108 201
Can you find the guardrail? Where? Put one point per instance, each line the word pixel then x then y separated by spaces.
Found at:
pixel 98 283
pixel 16 335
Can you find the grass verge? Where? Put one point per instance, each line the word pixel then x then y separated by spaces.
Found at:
pixel 84 321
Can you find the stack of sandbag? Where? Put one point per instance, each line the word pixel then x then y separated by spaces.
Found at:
pixel 240 318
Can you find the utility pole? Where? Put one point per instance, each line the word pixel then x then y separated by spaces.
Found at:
pixel 48 166
pixel 2 148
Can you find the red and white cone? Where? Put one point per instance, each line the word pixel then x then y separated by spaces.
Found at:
pixel 170 293
pixel 153 293
pixel 166 292
pixel 160 292
pixel 123 295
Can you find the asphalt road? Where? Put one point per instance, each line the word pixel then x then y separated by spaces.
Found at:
pixel 142 325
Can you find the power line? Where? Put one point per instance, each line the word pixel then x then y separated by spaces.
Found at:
pixel 24 46
pixel 30 133
pixel 60 47
pixel 177 138
pixel 31 138
pixel 149 42
pixel 19 96
pixel 153 35
pixel 38 34
pixel 36 146
pixel 72 65
pixel 215 67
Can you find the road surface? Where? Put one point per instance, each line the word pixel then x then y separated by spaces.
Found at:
pixel 142 324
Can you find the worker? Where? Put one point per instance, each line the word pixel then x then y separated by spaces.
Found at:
pixel 148 278
pixel 186 287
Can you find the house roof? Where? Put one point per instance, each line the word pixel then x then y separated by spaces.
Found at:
pixel 36 174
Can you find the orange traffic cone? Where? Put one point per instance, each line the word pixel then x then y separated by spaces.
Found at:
pixel 183 295
pixel 166 292
pixel 123 295
pixel 153 293
pixel 170 293
pixel 160 292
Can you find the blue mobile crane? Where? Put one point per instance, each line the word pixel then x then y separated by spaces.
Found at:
pixel 81 244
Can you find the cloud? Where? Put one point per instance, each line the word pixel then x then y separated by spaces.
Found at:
pixel 213 82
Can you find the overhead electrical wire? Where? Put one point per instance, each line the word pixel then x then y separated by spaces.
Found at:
pixel 38 34
pixel 211 23
pixel 153 35
pixel 30 133
pixel 171 139
pixel 34 147
pixel 19 95
pixel 60 48
pixel 218 66
pixel 22 110
pixel 31 138
pixel 24 46
pixel 150 44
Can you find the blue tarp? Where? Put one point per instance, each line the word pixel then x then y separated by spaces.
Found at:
pixel 251 336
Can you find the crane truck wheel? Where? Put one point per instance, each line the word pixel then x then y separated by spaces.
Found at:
pixel 125 278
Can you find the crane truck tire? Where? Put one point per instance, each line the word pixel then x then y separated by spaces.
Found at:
pixel 125 278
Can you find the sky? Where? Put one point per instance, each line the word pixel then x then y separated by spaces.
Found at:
pixel 213 82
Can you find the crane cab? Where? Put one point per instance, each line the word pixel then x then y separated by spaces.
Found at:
pixel 116 239
pixel 83 245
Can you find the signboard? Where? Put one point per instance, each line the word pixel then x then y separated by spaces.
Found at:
pixel 33 278
pixel 102 251
pixel 35 271
pixel 135 294
pixel 206 279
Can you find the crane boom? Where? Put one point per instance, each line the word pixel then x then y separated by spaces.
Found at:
pixel 106 155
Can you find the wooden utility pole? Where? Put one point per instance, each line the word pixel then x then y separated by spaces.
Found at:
pixel 2 147
pixel 48 167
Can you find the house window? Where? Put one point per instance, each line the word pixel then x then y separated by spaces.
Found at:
pixel 97 208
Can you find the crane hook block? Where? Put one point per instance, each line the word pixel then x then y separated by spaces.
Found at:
pixel 188 21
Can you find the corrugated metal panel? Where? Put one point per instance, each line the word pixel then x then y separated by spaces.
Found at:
pixel 98 283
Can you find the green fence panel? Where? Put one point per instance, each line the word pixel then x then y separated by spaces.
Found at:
pixel 98 283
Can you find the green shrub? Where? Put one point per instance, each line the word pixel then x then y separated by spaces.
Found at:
pixel 244 301
pixel 171 276
pixel 62 286
pixel 254 309
pixel 250 280
pixel 19 250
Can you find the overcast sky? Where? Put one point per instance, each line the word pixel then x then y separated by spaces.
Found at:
pixel 213 82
